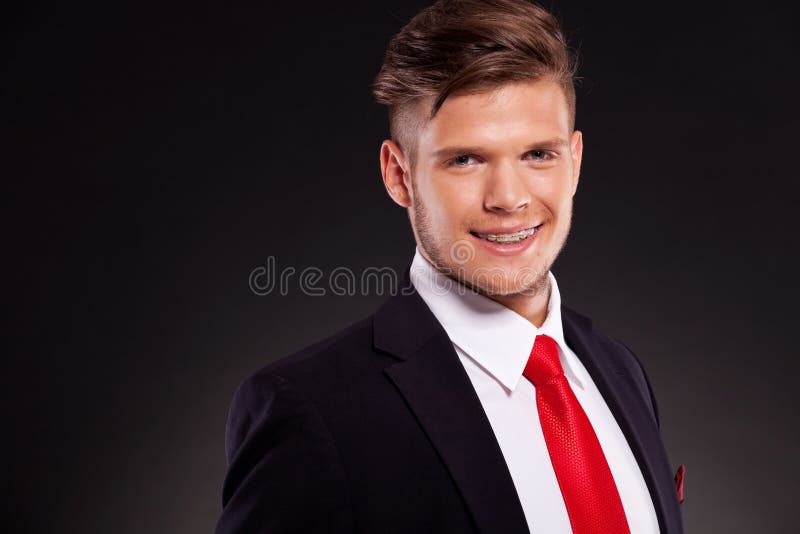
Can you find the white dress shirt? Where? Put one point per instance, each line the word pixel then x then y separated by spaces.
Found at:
pixel 494 343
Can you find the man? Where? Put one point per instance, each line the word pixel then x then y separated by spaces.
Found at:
pixel 472 401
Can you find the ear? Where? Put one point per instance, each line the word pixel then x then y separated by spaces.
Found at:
pixel 576 152
pixel 395 176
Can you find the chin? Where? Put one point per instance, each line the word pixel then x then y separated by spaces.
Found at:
pixel 500 279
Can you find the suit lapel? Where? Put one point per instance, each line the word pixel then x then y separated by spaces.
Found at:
pixel 438 391
pixel 632 416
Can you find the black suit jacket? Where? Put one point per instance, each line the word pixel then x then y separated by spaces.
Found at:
pixel 378 429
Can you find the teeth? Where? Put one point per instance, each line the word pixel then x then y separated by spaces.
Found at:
pixel 509 238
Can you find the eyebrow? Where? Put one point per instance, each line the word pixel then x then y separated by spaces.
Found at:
pixel 452 151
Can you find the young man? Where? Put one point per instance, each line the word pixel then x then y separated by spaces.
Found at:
pixel 472 401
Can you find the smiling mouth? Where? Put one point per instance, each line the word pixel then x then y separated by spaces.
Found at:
pixel 514 237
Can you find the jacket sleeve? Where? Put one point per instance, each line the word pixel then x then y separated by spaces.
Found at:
pixel 284 473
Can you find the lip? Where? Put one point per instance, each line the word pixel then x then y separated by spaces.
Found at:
pixel 507 230
pixel 507 249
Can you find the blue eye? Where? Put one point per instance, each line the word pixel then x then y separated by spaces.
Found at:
pixel 462 160
pixel 539 154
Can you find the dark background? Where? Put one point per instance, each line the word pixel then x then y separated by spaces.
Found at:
pixel 155 155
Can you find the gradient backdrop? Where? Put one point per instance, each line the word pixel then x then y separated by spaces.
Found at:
pixel 155 155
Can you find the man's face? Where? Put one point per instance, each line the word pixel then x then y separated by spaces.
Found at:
pixel 492 188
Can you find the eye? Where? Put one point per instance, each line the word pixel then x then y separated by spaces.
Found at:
pixel 462 160
pixel 540 155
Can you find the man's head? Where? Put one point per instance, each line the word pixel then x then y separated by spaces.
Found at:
pixel 481 112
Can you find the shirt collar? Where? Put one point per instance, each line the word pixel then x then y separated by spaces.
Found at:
pixel 496 337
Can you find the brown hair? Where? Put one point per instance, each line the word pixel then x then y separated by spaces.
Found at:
pixel 468 46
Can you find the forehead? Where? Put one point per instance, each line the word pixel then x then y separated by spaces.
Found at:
pixel 521 111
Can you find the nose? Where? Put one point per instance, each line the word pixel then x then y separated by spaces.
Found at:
pixel 506 191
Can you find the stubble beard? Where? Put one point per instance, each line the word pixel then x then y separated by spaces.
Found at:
pixel 534 283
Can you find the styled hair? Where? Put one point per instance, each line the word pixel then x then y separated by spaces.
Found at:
pixel 457 47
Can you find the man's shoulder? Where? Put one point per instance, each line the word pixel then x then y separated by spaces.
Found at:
pixel 328 364
pixel 617 356
pixel 613 347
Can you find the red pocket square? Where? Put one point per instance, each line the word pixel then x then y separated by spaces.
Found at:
pixel 679 481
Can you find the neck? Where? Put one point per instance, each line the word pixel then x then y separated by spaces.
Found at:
pixel 532 307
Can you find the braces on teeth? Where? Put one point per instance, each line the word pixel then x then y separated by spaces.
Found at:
pixel 508 238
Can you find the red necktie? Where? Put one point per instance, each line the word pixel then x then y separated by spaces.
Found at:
pixel 589 491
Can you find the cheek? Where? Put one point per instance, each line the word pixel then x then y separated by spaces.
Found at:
pixel 555 191
pixel 449 202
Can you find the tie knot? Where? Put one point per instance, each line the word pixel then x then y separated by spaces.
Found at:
pixel 543 364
